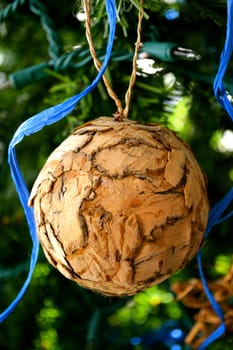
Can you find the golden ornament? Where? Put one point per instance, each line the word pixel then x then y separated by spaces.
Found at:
pixel 120 206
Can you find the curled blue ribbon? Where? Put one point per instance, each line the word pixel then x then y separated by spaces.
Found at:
pixel 216 213
pixel 35 124
pixel 219 90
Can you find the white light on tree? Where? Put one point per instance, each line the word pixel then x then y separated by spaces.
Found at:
pixel 226 142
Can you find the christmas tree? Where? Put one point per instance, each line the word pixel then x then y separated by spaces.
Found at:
pixel 177 62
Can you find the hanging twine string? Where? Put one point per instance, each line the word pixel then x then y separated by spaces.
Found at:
pixel 128 94
pixel 97 63
pixel 121 113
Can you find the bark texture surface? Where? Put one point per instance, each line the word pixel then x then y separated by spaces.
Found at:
pixel 120 206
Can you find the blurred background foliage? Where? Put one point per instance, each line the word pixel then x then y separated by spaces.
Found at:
pixel 56 314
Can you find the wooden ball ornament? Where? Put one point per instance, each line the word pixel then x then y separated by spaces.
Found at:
pixel 120 206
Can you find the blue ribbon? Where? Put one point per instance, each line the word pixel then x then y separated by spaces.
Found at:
pixel 219 90
pixel 35 124
pixel 215 215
